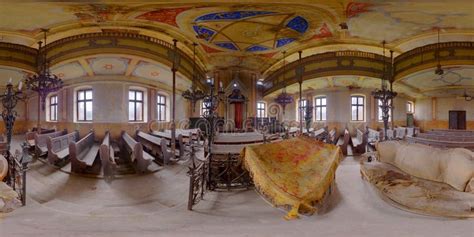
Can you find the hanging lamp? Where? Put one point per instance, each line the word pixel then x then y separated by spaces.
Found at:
pixel 284 98
pixel 193 94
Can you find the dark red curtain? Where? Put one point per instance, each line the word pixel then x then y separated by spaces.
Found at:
pixel 238 115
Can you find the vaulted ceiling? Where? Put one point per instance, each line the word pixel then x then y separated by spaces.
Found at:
pixel 248 35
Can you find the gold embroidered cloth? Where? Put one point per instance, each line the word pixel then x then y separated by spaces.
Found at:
pixel 294 173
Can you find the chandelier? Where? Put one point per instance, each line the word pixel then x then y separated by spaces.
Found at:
pixel 193 94
pixel 466 96
pixel 284 98
pixel 44 82
pixel 439 70
pixel 385 95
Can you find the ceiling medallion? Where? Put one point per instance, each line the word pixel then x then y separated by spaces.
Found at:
pixel 249 31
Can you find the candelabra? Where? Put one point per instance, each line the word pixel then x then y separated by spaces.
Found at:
pixel 211 103
pixel 44 82
pixel 385 95
pixel 9 100
pixel 193 95
pixel 308 117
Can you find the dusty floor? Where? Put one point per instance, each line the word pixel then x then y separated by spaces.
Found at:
pixel 60 204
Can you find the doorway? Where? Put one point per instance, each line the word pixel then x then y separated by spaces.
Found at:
pixel 457 119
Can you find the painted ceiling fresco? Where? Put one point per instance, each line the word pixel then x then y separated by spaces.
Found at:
pixel 118 65
pixel 254 32
pixel 245 36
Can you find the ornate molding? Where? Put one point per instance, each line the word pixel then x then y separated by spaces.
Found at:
pixel 328 64
pixel 120 43
pixel 451 53
pixel 18 56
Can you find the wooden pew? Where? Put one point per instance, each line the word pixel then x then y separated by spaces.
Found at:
pixel 239 138
pixel 138 157
pixel 180 152
pixel 446 137
pixel 83 155
pixel 194 134
pixel 332 136
pixel 373 137
pixel 107 158
pixel 58 147
pixel 157 146
pixel 30 136
pixel 42 139
pixel 359 142
pixel 343 141
pixel 391 134
pixel 3 144
pixel 400 133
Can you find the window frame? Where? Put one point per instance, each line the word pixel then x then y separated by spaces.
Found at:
pixel 412 106
pixel 357 105
pixel 52 105
pixel 203 108
pixel 161 117
pixel 261 112
pixel 135 101
pixel 298 107
pixel 379 112
pixel 321 106
pixel 85 100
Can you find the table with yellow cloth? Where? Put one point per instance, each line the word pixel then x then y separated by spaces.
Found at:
pixel 294 173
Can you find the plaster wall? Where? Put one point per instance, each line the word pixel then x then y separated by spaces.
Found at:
pixel 110 108
pixel 433 113
pixel 339 109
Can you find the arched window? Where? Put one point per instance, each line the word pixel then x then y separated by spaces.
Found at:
pixel 161 107
pixel 357 108
pixel 261 109
pixel 320 108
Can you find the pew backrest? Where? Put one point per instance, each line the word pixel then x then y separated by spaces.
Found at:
pixel 42 139
pixel 106 153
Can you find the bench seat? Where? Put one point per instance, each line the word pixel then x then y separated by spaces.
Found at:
pixel 89 156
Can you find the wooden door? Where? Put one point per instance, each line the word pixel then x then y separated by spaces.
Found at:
pixel 457 119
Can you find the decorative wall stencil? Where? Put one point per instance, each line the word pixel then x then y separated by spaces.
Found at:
pixel 167 16
pixel 323 32
pixel 251 31
pixel 227 45
pixel 354 9
pixel 108 65
pixel 209 49
pixel 15 74
pixel 451 76
pixel 69 70
pixel 97 12
pixel 236 15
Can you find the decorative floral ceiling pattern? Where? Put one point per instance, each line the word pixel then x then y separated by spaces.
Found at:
pixel 248 36
pixel 250 31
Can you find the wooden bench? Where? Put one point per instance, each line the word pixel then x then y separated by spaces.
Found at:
pixel 58 147
pixel 138 157
pixel 343 141
pixel 30 136
pixel 413 131
pixel 359 142
pixel 391 134
pixel 41 140
pixel 446 137
pixel 3 144
pixel 157 146
pixel 332 136
pixel 180 152
pixel 83 155
pixel 400 133
pixel 107 157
